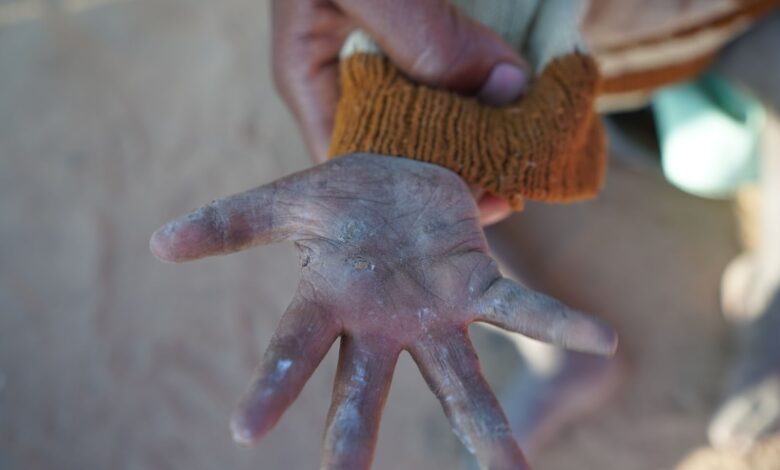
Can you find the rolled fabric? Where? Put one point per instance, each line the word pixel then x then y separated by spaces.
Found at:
pixel 547 146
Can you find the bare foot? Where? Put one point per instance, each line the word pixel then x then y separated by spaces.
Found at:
pixel 540 404
pixel 750 410
pixel 393 258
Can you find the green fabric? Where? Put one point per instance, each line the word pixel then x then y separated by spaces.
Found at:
pixel 709 133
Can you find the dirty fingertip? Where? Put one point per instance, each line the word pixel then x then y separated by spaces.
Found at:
pixel 602 339
pixel 612 343
pixel 590 335
pixel 186 238
pixel 159 243
pixel 171 242
pixel 241 430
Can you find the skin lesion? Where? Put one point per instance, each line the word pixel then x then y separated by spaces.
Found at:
pixel 392 258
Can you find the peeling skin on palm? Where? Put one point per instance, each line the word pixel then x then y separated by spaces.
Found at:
pixel 392 258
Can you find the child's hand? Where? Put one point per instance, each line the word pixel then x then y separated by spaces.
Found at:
pixel 393 258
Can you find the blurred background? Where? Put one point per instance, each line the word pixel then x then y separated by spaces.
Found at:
pixel 116 115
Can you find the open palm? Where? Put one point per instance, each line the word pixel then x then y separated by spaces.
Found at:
pixel 393 258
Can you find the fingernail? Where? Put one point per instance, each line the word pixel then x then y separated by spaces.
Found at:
pixel 505 84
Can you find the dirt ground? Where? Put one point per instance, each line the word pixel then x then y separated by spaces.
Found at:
pixel 115 116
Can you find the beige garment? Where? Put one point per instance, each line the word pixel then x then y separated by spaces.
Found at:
pixel 642 45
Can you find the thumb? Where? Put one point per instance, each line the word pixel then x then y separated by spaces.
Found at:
pixel 436 44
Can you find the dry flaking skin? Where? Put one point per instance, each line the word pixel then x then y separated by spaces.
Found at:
pixel 392 258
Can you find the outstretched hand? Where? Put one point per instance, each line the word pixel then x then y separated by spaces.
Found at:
pixel 392 258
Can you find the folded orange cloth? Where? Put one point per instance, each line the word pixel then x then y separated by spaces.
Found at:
pixel 548 146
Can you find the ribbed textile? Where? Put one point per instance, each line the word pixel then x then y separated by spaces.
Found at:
pixel 548 146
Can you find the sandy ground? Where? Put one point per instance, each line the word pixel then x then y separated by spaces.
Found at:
pixel 115 116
